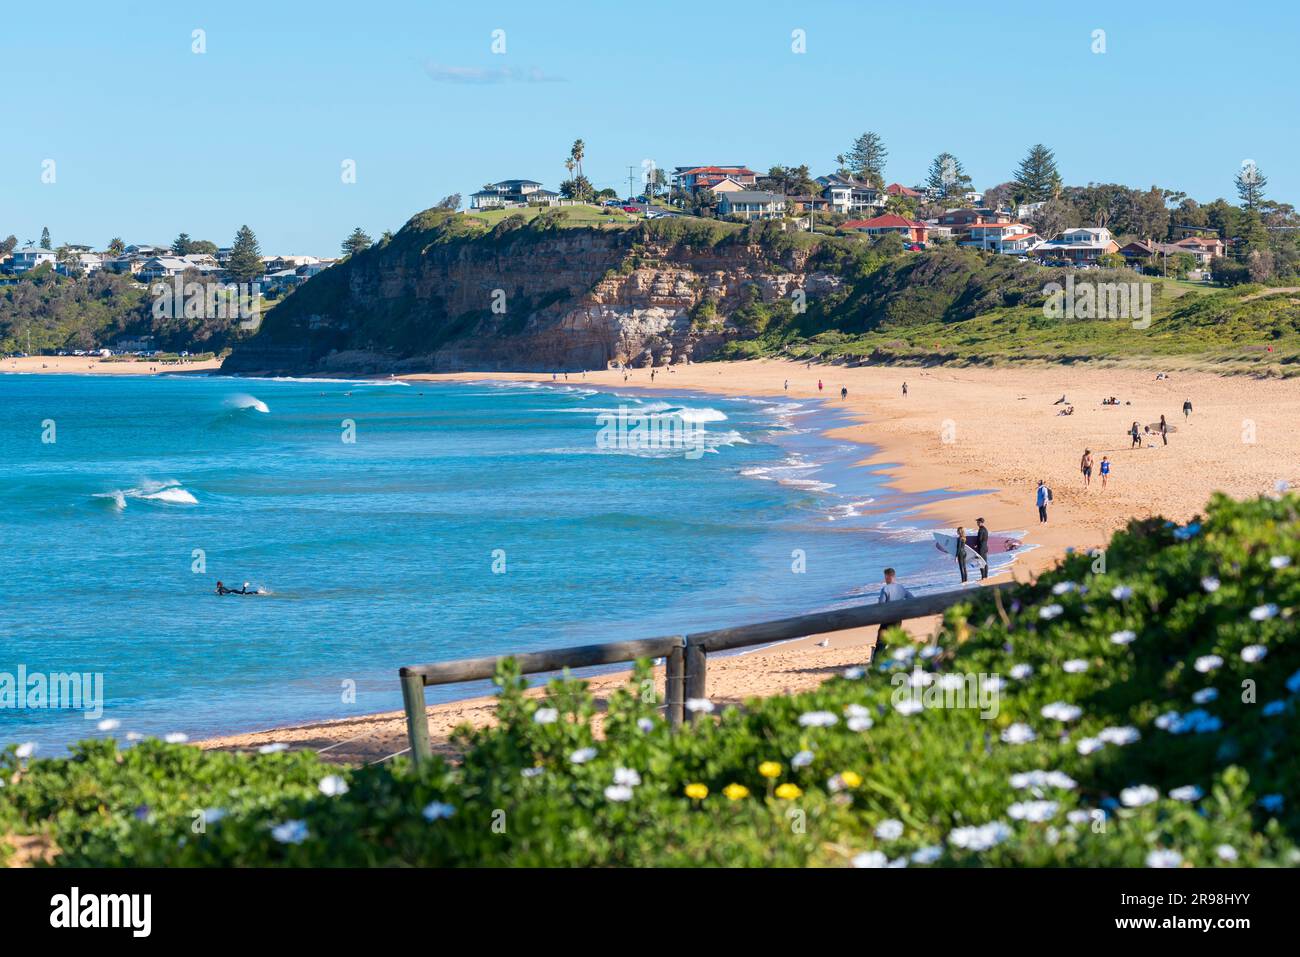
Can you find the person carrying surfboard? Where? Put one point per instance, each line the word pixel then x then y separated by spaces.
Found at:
pixel 961 552
pixel 982 547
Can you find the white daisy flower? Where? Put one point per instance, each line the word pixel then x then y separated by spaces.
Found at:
pixel 1226 852
pixel 290 832
pixel 920 679
pixel 1263 612
pixel 1075 666
pixel 582 755
pixel 1121 593
pixel 853 674
pixel 802 759
pixel 889 829
pixel 904 653
pixel 1061 588
pixel 1061 711
pixel 1279 561
pixel 332 785
pixel 1021 671
pixel 908 706
pixel 860 722
pixel 1207 663
pixel 1078 816
pixel 618 793
pixel 546 716
pixel 1125 637
pixel 1018 734
pixel 929 651
pixel 979 838
pixel 26 749
pixel 1087 746
pixel 1188 792
pixel 871 859
pixel 645 724
pixel 437 811
pixel 533 772
pixel 1120 736
pixel 1138 796
pixel 1210 584
pixel 1164 859
pixel 1253 653
pixel 699 705
pixel 627 776
pixel 1036 811
pixel 1048 612
pixel 927 855
pixel 817 719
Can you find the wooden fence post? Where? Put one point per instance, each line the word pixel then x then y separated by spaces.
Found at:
pixel 417 722
pixel 674 681
pixel 695 674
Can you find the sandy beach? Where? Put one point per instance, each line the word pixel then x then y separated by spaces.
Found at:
pixel 991 432
pixel 87 365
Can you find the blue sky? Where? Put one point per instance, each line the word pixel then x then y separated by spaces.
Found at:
pixel 150 139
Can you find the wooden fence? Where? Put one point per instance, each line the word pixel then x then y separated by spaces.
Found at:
pixel 685 657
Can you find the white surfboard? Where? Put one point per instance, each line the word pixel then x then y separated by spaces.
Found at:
pixel 948 545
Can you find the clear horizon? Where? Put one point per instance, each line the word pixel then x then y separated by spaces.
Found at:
pixel 149 139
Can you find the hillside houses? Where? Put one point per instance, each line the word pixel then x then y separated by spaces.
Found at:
pixel 752 204
pixel 910 230
pixel 1082 246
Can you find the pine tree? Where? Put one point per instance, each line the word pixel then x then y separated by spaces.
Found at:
pixel 245 263
pixel 1250 185
pixel 45 237
pixel 1037 178
pixel 181 245
pixel 947 179
pixel 356 242
pixel 866 159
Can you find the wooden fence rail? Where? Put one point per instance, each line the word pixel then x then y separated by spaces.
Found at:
pixel 685 658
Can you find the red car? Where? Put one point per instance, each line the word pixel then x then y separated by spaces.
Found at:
pixel 631 209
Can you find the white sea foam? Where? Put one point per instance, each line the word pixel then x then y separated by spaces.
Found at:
pixel 242 400
pixel 168 492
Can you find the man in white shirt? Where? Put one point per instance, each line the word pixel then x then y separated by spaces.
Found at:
pixel 893 591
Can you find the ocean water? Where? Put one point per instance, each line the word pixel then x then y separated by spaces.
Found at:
pixel 462 520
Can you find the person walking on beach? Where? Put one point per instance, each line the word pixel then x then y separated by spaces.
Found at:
pixel 1105 470
pixel 844 393
pixel 1085 466
pixel 1043 497
pixel 1187 408
pixel 904 390
pixel 892 591
pixel 961 552
pixel 982 547
pixel 1137 436
pixel 787 385
pixel 1164 430
pixel 819 385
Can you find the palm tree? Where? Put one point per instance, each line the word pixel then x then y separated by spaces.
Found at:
pixel 578 152
pixel 569 164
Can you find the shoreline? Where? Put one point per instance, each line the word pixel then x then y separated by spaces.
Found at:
pixel 89 365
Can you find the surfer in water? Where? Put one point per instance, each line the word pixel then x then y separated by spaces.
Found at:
pixel 223 590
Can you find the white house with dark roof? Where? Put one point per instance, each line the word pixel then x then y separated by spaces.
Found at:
pixel 1081 246
pixel 847 195
pixel 512 192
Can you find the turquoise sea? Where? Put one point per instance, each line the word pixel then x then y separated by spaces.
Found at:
pixel 464 519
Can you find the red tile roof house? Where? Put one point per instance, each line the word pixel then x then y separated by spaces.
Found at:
pixel 962 219
pixel 909 229
pixel 692 178
pixel 1204 248
pixel 898 189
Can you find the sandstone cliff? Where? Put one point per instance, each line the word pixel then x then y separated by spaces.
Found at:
pixel 448 294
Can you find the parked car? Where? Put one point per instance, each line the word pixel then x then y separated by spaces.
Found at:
pixel 631 209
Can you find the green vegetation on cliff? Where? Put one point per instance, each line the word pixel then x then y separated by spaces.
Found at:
pixel 1140 711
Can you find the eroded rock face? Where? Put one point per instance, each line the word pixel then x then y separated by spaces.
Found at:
pixel 569 299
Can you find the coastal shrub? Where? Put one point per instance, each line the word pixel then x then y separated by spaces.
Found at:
pixel 1132 707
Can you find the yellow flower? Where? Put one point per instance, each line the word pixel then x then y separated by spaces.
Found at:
pixel 788 791
pixel 769 769
pixel 851 779
pixel 735 792
pixel 697 791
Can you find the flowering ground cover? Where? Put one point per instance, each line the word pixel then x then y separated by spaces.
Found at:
pixel 1136 707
